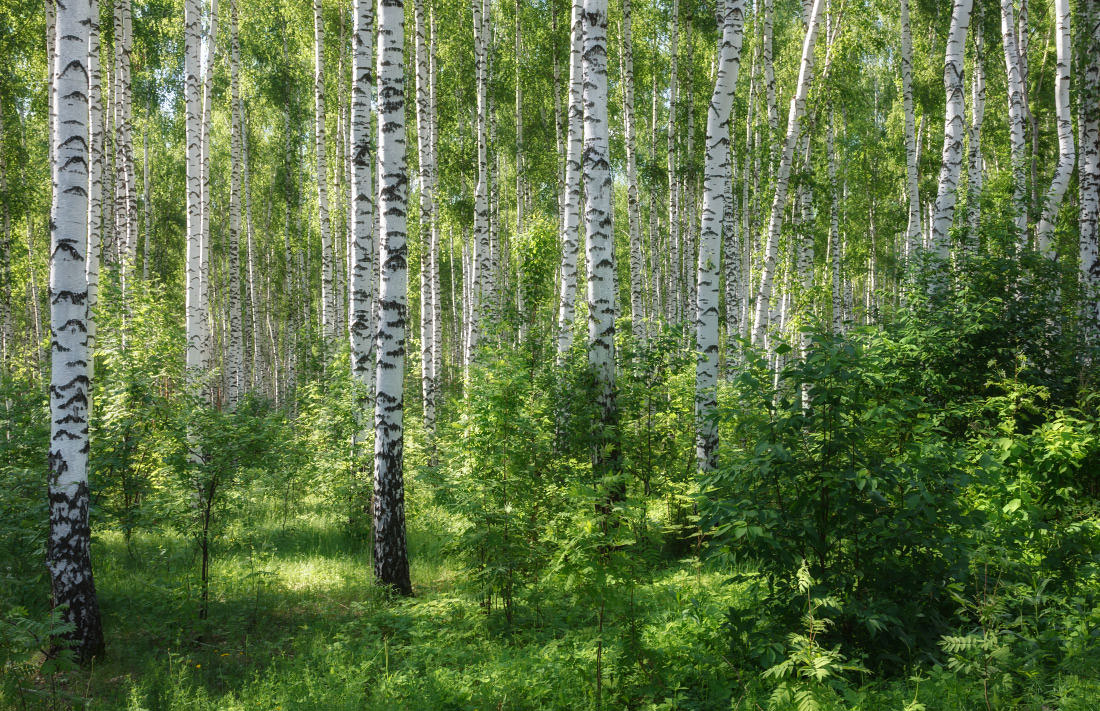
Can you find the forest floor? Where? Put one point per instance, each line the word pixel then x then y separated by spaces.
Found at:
pixel 295 623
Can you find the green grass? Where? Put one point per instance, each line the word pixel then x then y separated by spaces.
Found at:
pixel 295 623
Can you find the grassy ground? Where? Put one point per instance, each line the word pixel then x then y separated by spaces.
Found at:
pixel 295 623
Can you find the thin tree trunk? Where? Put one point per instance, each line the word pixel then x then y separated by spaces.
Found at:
pixel 426 180
pixel 976 165
pixel 235 359
pixel 570 229
pixel 913 231
pixel 1089 181
pixel 328 301
pixel 637 301
pixel 1015 124
pixel 783 172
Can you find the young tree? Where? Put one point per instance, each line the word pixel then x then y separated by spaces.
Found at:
pixel 976 164
pixel 361 283
pixel 391 561
pixel 731 19
pixel 637 301
pixel 235 356
pixel 953 127
pixel 481 258
pixel 427 220
pixel 68 557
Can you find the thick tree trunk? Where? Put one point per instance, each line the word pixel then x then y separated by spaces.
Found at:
pixel 716 203
pixel 1066 155
pixel 68 556
pixel 783 172
pixel 954 126
pixel 599 236
pixel 391 562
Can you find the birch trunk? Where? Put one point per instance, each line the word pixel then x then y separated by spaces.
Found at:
pixel 783 172
pixel 235 359
pixel 599 236
pixel 1015 124
pixel 95 180
pixel 205 339
pixel 481 258
pixel 637 300
pixel 426 180
pixel 570 229
pixel 391 562
pixel 1089 181
pixel 328 272
pixel 913 231
pixel 194 326
pixel 1066 155
pixel 976 166
pixel 68 557
pixel 675 290
pixel 716 203
pixel 954 125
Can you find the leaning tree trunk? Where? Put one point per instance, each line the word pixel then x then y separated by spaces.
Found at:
pixel 913 231
pixel 1015 124
pixel 599 236
pixel 783 173
pixel 954 126
pixel 328 274
pixel 715 204
pixel 391 561
pixel 1066 156
pixel 68 556
pixel 570 224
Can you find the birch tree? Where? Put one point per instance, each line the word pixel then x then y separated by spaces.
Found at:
pixel 328 273
pixel 599 237
pixel 1015 123
pixel 481 257
pixel 391 562
pixel 716 203
pixel 1066 152
pixel 68 556
pixel 1089 182
pixel 361 282
pixel 976 164
pixel 783 172
pixel 194 325
pixel 235 359
pixel 95 178
pixel 634 219
pixel 427 218
pixel 954 125
pixel 570 223
pixel 913 230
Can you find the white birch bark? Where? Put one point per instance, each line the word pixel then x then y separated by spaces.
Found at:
pixel 1015 124
pixel 913 230
pixel 834 234
pixel 976 165
pixel 95 178
pixel 675 287
pixel 433 265
pixel 783 172
pixel 570 229
pixel 637 300
pixel 194 326
pixel 954 126
pixel 716 203
pixel 206 344
pixel 481 257
pixel 1066 153
pixel 391 563
pixel 1089 180
pixel 235 354
pixel 599 236
pixel 427 219
pixel 328 271
pixel 68 557
pixel 361 306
